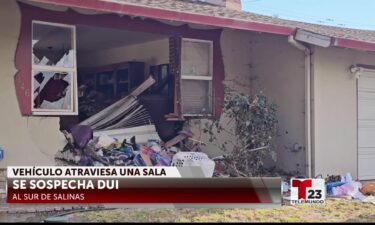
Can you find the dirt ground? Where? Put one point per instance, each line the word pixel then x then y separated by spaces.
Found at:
pixel 335 210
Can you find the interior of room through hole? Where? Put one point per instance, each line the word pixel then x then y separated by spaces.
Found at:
pixel 111 63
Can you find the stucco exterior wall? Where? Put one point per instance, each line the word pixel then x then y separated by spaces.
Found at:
pixel 262 62
pixel 335 110
pixel 26 140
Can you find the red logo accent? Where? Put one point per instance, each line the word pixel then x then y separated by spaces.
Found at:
pixel 302 185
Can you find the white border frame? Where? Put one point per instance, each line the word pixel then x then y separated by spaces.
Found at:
pixel 201 78
pixel 73 71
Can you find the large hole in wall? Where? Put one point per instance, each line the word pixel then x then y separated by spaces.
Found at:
pixel 111 63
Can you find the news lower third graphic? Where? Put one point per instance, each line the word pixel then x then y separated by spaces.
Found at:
pixel 307 191
pixel 144 185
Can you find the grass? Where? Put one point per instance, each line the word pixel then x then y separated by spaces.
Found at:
pixel 335 210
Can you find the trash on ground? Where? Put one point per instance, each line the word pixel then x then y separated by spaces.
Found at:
pixel 368 188
pixel 81 135
pixel 331 185
pixel 344 186
pixel 351 189
pixel 285 187
pixel 106 150
pixel 143 133
pixel 104 142
pixel 340 186
pixel 182 159
pixel 182 136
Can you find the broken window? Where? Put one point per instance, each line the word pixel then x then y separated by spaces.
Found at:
pixel 53 69
pixel 196 77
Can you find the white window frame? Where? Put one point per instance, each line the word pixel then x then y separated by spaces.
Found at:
pixel 73 71
pixel 195 77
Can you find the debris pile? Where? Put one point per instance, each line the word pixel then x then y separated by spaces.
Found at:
pixel 123 134
pixel 341 186
pixel 85 150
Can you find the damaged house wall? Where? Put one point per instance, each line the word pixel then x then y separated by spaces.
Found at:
pixel 335 110
pixel 263 62
pixel 23 138
pixel 22 58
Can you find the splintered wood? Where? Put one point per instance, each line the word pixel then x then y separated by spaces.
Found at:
pixel 182 136
pixel 127 112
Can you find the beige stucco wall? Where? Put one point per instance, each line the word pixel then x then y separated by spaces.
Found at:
pixel 26 140
pixel 335 110
pixel 263 62
pixel 151 53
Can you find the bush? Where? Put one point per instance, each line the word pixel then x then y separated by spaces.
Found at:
pixel 255 129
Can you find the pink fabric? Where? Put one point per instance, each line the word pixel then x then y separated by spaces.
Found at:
pixel 346 189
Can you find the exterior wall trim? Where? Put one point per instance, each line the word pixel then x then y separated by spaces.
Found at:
pixel 358 45
pixel 115 7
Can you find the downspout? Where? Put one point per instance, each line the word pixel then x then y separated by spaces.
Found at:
pixel 307 52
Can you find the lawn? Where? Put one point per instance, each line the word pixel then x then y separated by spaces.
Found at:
pixel 335 210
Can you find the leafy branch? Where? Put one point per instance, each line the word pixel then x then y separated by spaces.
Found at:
pixel 255 127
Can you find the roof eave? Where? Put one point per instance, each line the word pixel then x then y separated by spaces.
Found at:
pixel 359 45
pixel 156 13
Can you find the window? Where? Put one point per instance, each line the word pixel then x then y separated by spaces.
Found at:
pixel 196 77
pixel 54 69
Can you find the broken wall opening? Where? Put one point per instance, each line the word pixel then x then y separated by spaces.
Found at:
pixel 113 62
pixel 72 18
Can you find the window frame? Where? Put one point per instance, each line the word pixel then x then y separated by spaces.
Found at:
pixel 72 70
pixel 209 78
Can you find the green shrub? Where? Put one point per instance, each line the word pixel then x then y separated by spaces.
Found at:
pixel 255 129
